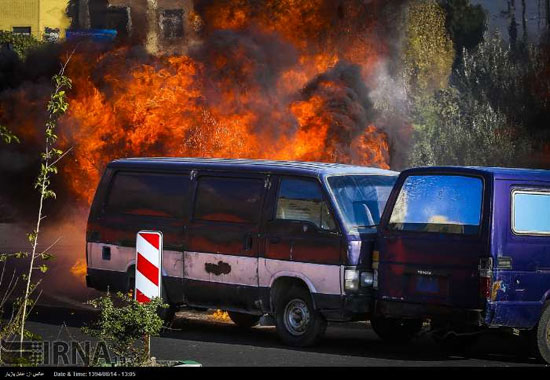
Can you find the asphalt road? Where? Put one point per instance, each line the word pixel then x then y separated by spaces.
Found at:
pixel 198 336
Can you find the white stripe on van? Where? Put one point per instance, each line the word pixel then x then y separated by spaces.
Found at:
pixel 124 257
pixel 242 269
pixel 320 278
pixel 248 271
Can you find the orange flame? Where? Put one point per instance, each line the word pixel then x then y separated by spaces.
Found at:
pixel 79 269
pixel 220 315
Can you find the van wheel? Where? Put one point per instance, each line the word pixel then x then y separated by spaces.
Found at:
pixel 396 330
pixel 541 336
pixel 244 320
pixel 298 323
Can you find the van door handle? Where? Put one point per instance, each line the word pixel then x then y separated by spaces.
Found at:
pixel 275 240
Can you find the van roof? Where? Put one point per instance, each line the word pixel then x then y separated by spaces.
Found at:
pixel 497 172
pixel 287 167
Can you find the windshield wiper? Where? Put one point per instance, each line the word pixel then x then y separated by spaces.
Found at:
pixel 367 226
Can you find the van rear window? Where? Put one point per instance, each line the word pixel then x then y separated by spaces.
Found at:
pixel 148 194
pixel 531 212
pixel 439 203
pixel 234 200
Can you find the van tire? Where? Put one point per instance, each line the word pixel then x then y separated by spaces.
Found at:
pixel 395 330
pixel 244 320
pixel 292 306
pixel 541 336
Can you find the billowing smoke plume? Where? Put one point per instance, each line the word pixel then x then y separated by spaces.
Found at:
pixel 278 80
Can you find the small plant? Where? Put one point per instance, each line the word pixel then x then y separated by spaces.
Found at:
pixel 57 106
pixel 7 136
pixel 127 329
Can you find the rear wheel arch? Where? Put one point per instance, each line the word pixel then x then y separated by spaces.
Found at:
pixel 545 299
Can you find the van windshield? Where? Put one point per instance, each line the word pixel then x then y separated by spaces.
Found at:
pixel 361 198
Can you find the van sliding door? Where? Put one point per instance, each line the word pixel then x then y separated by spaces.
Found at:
pixel 221 255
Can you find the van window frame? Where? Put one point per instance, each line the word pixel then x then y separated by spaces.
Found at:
pixel 326 198
pixel 524 190
pixel 114 173
pixel 232 175
pixel 326 184
pixel 392 200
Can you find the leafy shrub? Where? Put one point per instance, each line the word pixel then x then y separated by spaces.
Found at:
pixel 20 43
pixel 126 329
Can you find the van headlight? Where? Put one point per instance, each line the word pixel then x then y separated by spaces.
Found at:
pixel 355 279
pixel 351 279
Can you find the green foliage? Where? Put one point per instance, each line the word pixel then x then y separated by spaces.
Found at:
pixel 454 128
pixel 465 23
pixel 20 43
pixel 7 135
pixel 505 77
pixel 428 54
pixel 126 329
pixel 56 107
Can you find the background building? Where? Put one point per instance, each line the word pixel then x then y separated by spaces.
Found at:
pixel 44 19
pixel 163 26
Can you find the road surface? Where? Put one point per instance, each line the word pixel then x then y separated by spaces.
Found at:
pixel 198 336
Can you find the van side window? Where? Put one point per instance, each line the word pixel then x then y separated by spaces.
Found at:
pixel 531 212
pixel 438 203
pixel 236 200
pixel 302 200
pixel 148 194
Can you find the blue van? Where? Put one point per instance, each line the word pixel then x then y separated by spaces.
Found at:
pixel 467 248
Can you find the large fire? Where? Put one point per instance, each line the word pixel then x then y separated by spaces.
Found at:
pixel 282 80
pixel 286 83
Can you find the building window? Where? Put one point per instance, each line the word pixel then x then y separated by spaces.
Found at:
pixel 26 30
pixel 171 23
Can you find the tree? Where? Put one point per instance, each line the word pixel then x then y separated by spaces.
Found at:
pixel 428 54
pixel 465 23
pixel 504 76
pixel 453 128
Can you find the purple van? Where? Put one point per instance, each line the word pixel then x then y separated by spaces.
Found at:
pixel 467 248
